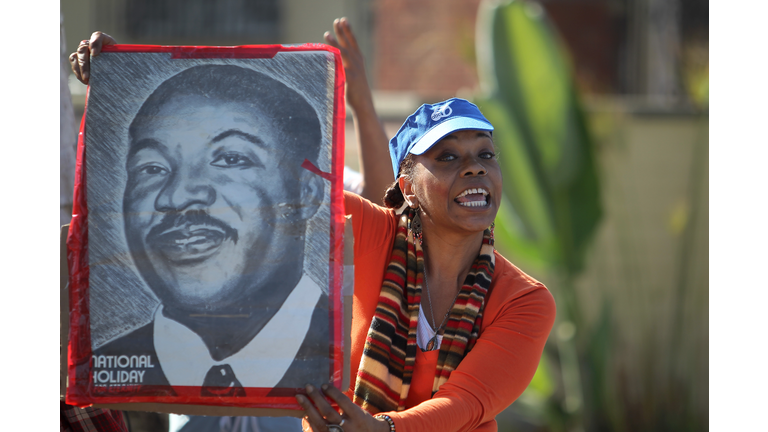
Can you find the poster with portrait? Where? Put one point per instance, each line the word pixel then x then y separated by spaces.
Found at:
pixel 205 251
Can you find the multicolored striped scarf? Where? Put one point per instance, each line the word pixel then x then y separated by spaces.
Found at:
pixel 386 368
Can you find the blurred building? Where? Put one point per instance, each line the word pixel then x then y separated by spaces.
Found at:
pixel 426 48
pixel 623 47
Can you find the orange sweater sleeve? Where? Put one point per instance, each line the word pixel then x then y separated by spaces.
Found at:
pixel 374 228
pixel 371 224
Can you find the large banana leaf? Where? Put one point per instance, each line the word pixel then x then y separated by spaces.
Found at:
pixel 551 198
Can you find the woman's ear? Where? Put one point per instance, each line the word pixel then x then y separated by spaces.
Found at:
pixel 406 187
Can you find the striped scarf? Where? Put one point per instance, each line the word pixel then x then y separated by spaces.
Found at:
pixel 386 367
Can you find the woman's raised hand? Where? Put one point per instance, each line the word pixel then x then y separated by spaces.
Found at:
pixel 371 137
pixel 320 414
pixel 358 91
pixel 81 60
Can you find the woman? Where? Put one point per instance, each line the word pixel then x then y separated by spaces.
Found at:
pixel 454 332
pixel 446 332
pixel 437 228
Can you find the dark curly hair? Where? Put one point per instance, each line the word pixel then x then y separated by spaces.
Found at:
pixel 393 197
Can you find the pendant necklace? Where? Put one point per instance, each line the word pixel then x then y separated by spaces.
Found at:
pixel 432 344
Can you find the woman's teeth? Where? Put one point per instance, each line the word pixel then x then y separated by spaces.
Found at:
pixel 474 197
pixel 473 204
pixel 473 191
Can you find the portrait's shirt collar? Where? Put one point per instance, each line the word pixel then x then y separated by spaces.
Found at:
pixel 262 363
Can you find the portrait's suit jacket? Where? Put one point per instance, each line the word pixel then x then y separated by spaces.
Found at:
pixel 309 366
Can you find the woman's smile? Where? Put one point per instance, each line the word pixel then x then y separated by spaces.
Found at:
pixel 473 197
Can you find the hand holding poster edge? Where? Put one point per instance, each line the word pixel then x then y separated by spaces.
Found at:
pixel 78 236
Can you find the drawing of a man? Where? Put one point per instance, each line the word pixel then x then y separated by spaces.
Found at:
pixel 216 207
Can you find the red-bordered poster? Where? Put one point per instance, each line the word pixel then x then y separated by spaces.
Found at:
pixel 205 250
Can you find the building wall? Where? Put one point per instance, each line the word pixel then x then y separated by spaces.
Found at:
pixel 427 47
pixel 300 21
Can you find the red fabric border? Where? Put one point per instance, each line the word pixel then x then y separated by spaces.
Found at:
pixel 241 51
pixel 79 367
pixel 337 218
pixel 77 264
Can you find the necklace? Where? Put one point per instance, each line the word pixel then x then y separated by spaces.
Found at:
pixel 432 344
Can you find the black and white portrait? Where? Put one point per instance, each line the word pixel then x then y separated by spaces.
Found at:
pixel 209 240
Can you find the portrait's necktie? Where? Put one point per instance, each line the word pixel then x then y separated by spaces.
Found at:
pixel 221 381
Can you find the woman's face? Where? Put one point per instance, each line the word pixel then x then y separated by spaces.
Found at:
pixel 457 183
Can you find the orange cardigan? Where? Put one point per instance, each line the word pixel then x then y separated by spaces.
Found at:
pixel 519 313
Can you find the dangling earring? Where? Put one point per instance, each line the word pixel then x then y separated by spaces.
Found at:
pixel 493 225
pixel 416 226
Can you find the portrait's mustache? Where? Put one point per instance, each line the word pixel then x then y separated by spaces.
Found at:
pixel 175 221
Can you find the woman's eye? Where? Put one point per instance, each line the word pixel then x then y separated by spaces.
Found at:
pixel 446 158
pixel 232 160
pixel 488 155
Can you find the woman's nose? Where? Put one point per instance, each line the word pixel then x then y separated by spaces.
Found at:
pixel 473 167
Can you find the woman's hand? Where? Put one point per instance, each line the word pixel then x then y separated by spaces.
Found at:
pixel 371 138
pixel 358 91
pixel 319 413
pixel 81 60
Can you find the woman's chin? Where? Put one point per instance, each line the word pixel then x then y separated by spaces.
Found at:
pixel 477 219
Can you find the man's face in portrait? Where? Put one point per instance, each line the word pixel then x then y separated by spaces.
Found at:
pixel 211 209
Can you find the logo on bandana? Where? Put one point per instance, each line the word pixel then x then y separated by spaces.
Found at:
pixel 443 111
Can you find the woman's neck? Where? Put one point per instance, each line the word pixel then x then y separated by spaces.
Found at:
pixel 448 259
